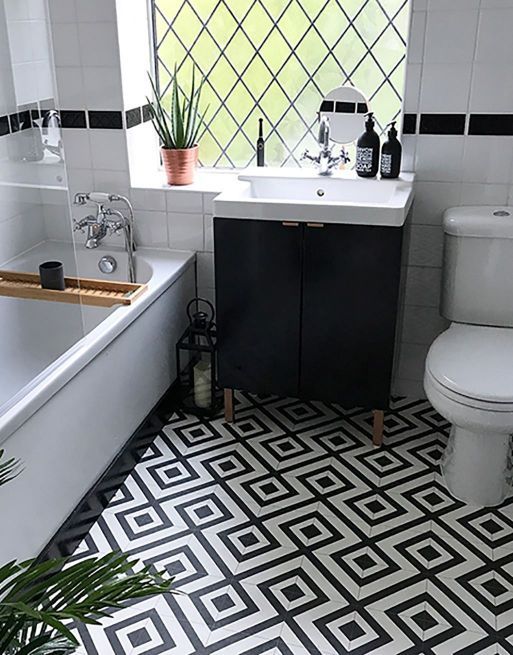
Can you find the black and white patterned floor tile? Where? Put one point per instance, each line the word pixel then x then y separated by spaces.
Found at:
pixel 289 534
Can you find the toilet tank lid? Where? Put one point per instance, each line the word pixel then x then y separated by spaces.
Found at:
pixel 489 221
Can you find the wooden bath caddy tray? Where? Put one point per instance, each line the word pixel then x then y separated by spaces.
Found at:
pixel 78 290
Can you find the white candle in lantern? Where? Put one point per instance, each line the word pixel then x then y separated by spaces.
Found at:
pixel 202 384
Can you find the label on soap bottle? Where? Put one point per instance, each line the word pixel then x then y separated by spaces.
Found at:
pixel 364 159
pixel 386 164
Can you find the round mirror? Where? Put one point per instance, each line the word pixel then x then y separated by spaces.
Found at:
pixel 345 107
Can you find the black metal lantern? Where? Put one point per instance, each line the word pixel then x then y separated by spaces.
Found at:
pixel 196 362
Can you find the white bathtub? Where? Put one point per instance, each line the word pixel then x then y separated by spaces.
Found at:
pixel 76 381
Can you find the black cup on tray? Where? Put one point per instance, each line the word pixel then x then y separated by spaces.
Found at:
pixel 52 276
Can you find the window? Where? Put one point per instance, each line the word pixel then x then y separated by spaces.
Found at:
pixel 276 59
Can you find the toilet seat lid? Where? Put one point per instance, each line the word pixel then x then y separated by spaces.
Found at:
pixel 475 362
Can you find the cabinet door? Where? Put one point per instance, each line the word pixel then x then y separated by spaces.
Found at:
pixel 258 288
pixel 350 296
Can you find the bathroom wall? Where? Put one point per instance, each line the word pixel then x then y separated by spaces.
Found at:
pixel 21 224
pixel 458 82
pixel 454 70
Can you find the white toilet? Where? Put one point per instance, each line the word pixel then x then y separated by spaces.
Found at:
pixel 469 368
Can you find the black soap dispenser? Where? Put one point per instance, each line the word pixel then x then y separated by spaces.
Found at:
pixel 260 143
pixel 367 150
pixel 391 155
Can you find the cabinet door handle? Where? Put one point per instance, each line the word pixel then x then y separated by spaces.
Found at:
pixel 315 224
pixel 289 224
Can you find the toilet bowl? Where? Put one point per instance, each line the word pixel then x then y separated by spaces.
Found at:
pixel 469 381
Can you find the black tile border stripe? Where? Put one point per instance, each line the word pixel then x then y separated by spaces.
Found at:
pixel 491 125
pixel 454 124
pixel 447 124
pixel 438 124
pixel 133 117
pixel 105 120
pixel 73 118
pixel 409 123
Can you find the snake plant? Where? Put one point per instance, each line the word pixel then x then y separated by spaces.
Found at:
pixel 39 601
pixel 179 127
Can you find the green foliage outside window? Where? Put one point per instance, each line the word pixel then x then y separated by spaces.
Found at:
pixel 276 59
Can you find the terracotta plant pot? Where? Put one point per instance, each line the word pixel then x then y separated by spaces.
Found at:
pixel 180 165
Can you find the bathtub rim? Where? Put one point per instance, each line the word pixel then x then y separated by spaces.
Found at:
pixel 51 379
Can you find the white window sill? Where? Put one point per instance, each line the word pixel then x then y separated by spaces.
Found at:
pixel 208 180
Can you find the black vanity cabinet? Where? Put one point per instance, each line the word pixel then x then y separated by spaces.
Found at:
pixel 307 310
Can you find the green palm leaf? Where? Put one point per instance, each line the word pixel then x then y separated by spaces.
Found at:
pixel 9 469
pixel 40 599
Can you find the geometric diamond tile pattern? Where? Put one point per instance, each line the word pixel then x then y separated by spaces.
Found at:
pixel 276 60
pixel 289 534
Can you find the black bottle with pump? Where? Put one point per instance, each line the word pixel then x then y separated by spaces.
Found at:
pixel 367 150
pixel 391 154
pixel 260 143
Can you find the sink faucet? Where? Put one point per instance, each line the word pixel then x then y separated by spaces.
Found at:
pixel 325 161
pixel 107 221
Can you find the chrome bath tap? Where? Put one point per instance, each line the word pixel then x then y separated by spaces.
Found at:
pixel 106 222
pixel 325 161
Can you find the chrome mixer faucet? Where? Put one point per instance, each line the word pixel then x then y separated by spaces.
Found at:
pixel 107 221
pixel 325 161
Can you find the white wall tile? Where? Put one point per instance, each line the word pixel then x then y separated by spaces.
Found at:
pixel 494 37
pixel 412 360
pixel 412 87
pixel 206 270
pixel 409 143
pixel 108 150
pixel 492 90
pixel 422 325
pixel 151 229
pixel 432 199
pixel 70 87
pixel 184 201
pixel 77 148
pixel 445 87
pixel 66 48
pixel 423 286
pixel 112 181
pixel 416 38
pixel 80 180
pixel 96 11
pixel 450 36
pixel 62 11
pixel 57 221
pixel 488 159
pixel 208 202
pixel 484 194
pixel 443 5
pixel 408 388
pixel 185 231
pixel 439 158
pixel 149 199
pixel 98 44
pixel 208 224
pixel 426 246
pixel 102 87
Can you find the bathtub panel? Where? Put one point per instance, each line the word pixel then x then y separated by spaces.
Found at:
pixel 72 439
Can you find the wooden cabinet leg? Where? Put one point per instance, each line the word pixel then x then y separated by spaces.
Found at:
pixel 229 413
pixel 378 426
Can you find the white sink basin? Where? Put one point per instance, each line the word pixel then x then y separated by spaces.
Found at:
pixel 302 195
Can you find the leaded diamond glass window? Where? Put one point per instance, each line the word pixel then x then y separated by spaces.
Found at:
pixel 276 59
